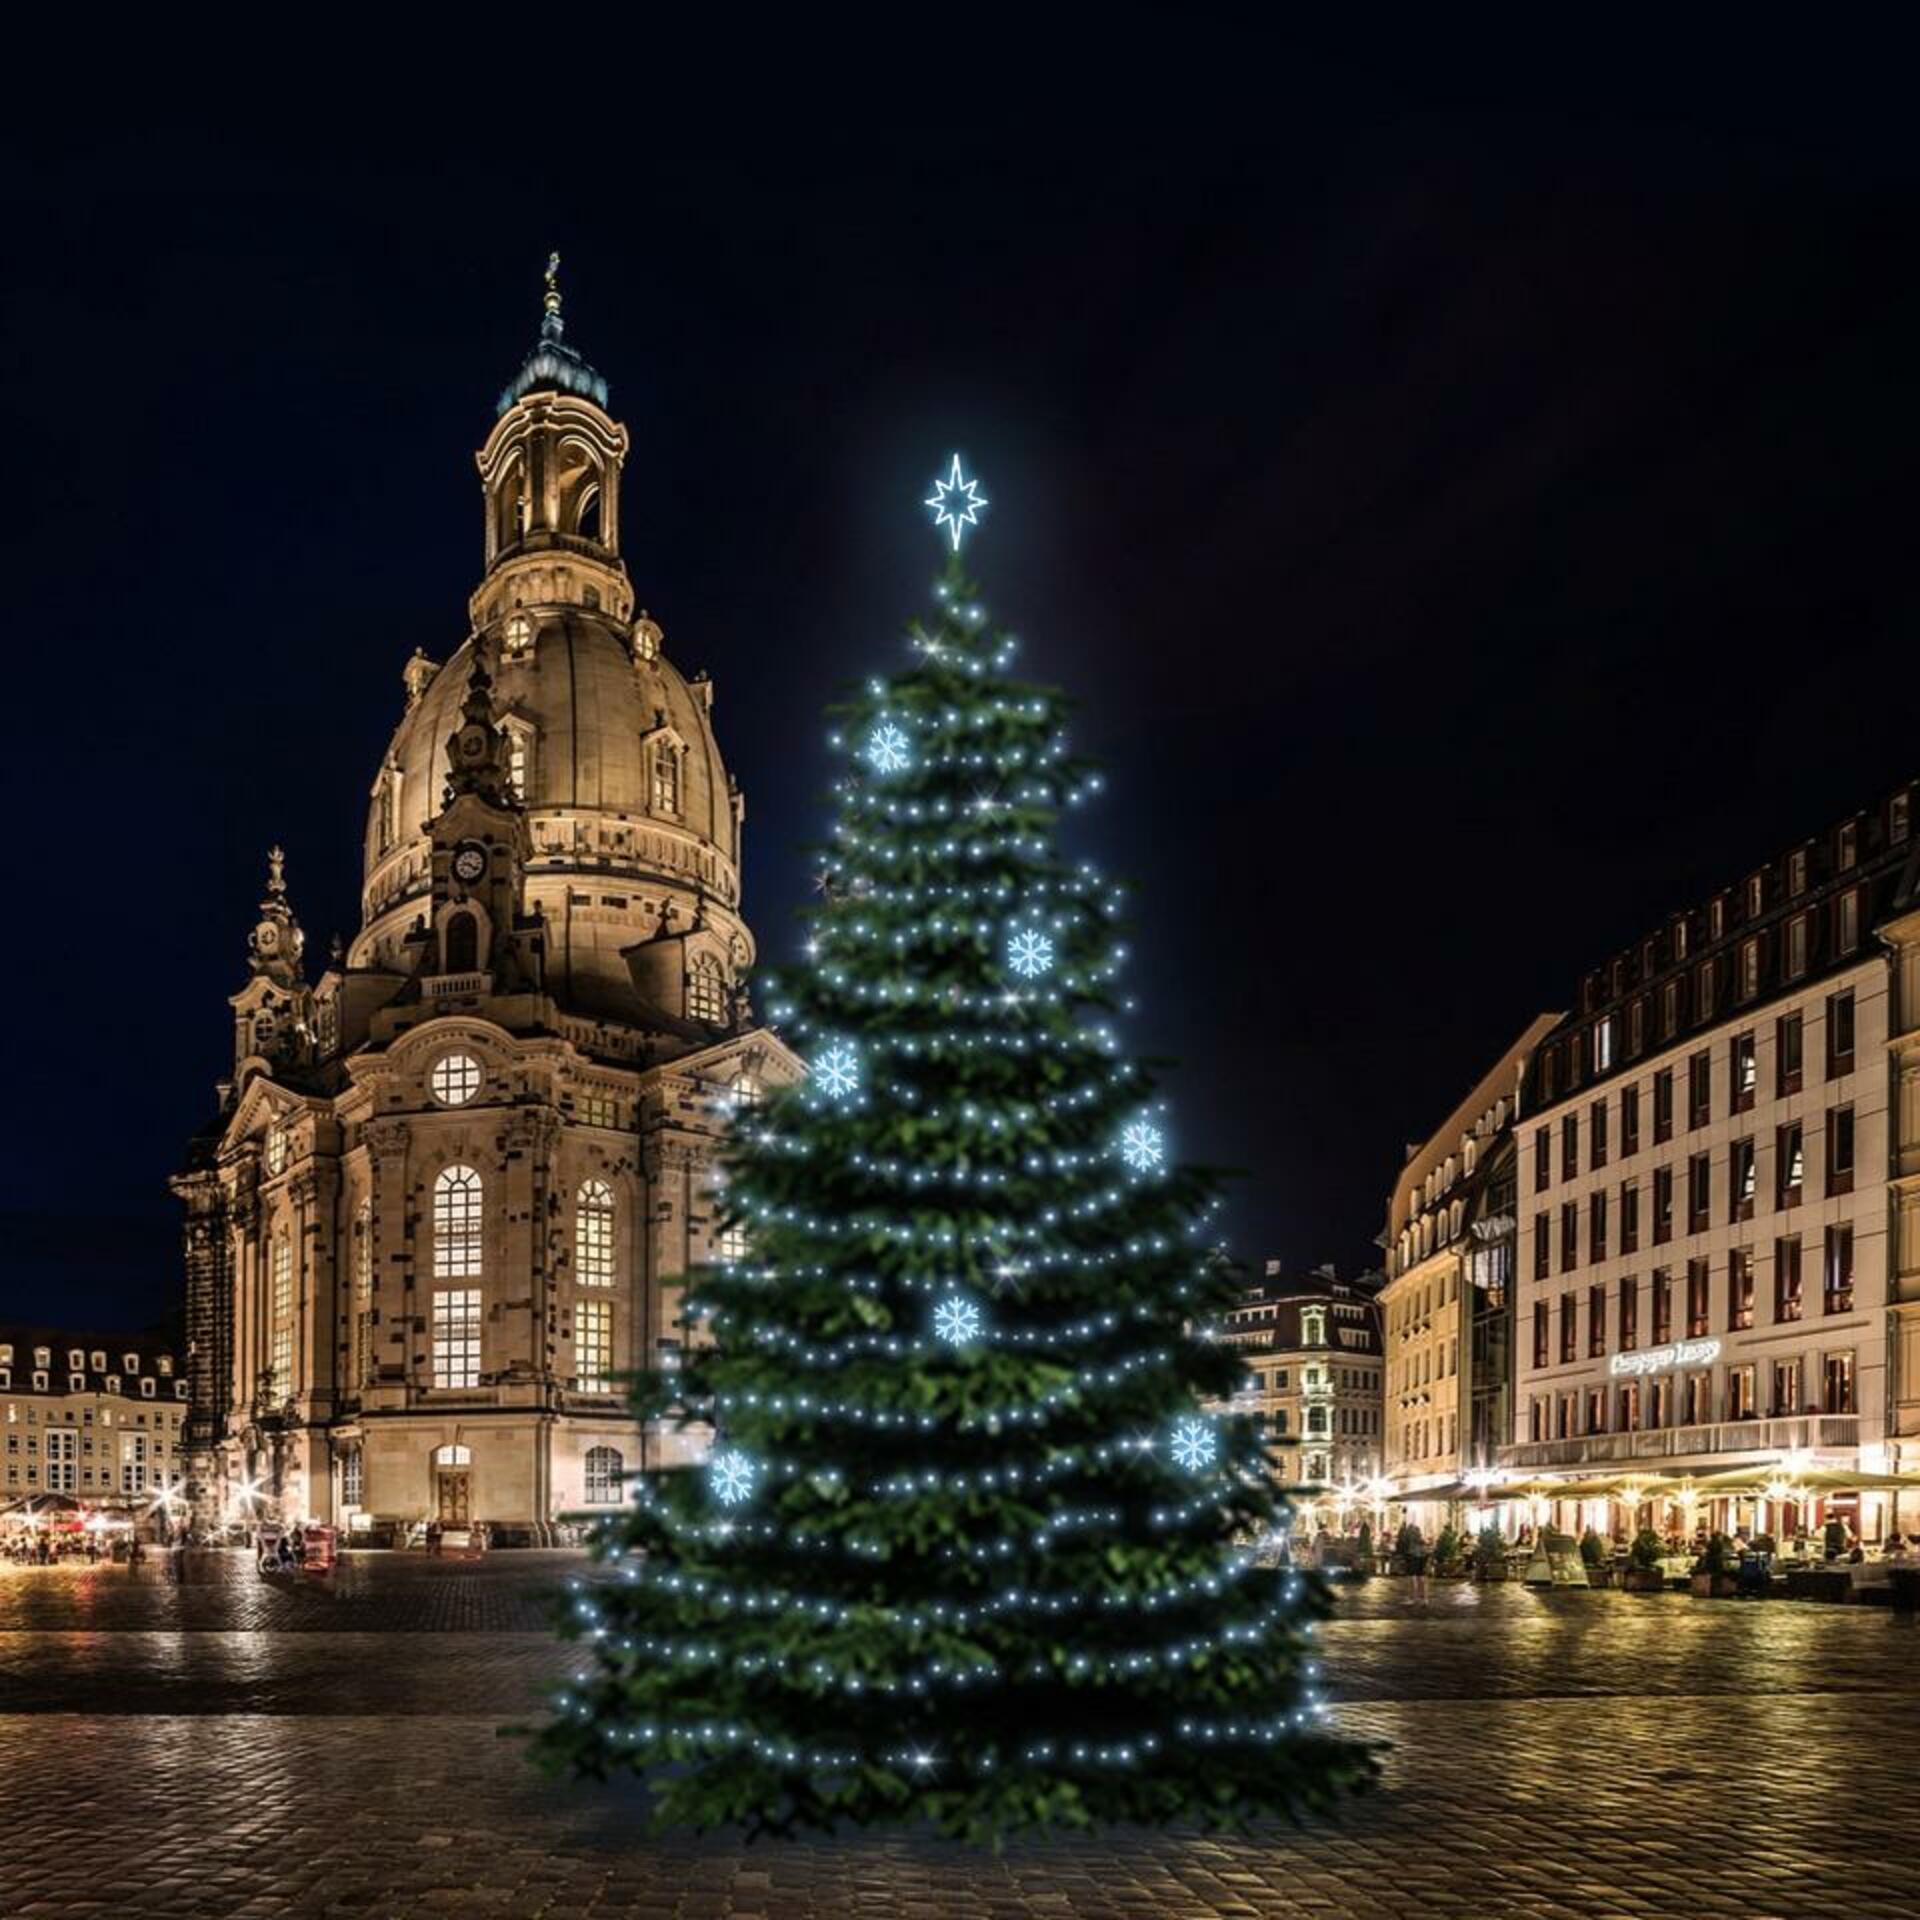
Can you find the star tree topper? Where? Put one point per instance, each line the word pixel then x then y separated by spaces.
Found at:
pixel 956 502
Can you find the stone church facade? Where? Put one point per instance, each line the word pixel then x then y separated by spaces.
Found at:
pixel 454 1185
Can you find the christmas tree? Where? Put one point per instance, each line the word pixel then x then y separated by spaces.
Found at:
pixel 968 1545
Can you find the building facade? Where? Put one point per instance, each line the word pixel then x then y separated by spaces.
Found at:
pixel 1312 1348
pixel 1720 1236
pixel 100 1418
pixel 453 1186
pixel 1447 1307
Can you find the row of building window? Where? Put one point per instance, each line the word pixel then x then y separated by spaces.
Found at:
pixel 1742 1189
pixel 1423 1438
pixel 1743 1078
pixel 1687 1399
pixel 1789 1188
pixel 1738 1298
pixel 79 1360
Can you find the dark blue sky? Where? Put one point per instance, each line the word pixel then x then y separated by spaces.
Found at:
pixel 1473 523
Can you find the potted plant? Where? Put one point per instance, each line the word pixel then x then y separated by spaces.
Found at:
pixel 1716 1572
pixel 1490 1554
pixel 1446 1552
pixel 1643 1570
pixel 1593 1556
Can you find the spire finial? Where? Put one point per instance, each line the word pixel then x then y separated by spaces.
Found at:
pixel 277 872
pixel 551 325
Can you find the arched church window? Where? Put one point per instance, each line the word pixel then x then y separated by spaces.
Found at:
pixel 276 1149
pixel 593 1224
pixel 706 991
pixel 462 943
pixel 519 760
pixel 747 1091
pixel 383 811
pixel 456 1224
pixel 587 517
pixel 666 777
pixel 453 1455
pixel 604 1466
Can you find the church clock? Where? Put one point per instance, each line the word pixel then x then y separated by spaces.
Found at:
pixel 469 862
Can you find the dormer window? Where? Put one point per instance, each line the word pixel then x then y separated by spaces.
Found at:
pixel 1899 817
pixel 666 776
pixel 1717 917
pixel 77 1359
pixel 1797 870
pixel 1679 939
pixel 76 1383
pixel 146 1386
pixel 1848 849
pixel 706 991
pixel 131 1362
pixel 43 1356
pixel 519 760
pixel 1756 896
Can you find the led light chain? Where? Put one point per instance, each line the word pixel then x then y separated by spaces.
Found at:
pixel 942 1614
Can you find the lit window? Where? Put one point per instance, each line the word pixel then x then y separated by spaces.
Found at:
pixel 666 777
pixel 593 1234
pixel 280 1386
pixel 133 1463
pixel 518 636
pixel 603 1476
pixel 592 1345
pixel 63 1450
pixel 351 1483
pixel 282 1277
pixel 706 992
pixel 456 1337
pixel 276 1149
pixel 519 760
pixel 732 1244
pixel 456 1225
pixel 746 1090
pixel 455 1079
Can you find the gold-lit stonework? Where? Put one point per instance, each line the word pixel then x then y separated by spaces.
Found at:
pixel 453 1186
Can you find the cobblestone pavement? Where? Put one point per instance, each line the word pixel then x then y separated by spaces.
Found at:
pixel 236 1747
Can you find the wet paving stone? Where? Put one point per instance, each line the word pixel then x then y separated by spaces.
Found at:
pixel 234 1747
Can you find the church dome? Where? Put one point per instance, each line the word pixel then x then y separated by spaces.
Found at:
pixel 633 826
pixel 629 807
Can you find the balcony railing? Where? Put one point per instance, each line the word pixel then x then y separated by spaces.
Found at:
pixel 457 986
pixel 1676 1443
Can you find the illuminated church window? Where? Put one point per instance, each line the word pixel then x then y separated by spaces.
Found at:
pixel 706 991
pixel 456 1224
pixel 593 1234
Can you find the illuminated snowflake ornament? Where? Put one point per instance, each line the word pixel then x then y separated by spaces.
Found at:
pixel 1029 954
pixel 887 748
pixel 732 1475
pixel 837 1071
pixel 1195 1445
pixel 957 1321
pixel 1143 1146
pixel 956 502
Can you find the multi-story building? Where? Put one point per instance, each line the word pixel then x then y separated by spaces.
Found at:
pixel 1312 1347
pixel 1719 1176
pixel 452 1188
pixel 1447 1307
pixel 98 1417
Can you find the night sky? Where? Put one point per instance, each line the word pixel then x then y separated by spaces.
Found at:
pixel 1470 530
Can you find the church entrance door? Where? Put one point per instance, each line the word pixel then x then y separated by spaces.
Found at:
pixel 456 1496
